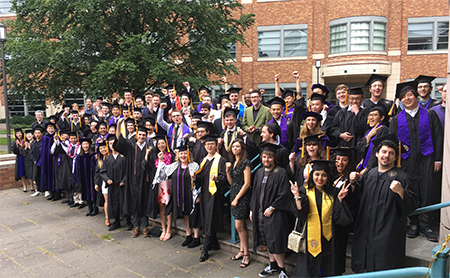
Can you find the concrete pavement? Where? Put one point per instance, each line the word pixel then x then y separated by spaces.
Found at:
pixel 40 238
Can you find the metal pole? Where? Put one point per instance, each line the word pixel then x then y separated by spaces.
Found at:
pixel 318 72
pixel 5 94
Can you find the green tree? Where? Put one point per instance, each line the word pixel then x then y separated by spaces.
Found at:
pixel 101 46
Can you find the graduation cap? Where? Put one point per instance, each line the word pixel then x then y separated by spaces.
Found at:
pixel 234 90
pixel 84 139
pixel 312 138
pixel 276 100
pixel 27 131
pixel 380 110
pixel 139 97
pixel 198 115
pixel 113 125
pixel 111 137
pixel 288 93
pixel 115 105
pixel 223 96
pixel 320 97
pixel 353 91
pixel 170 87
pixel 268 147
pixel 70 133
pixel 203 87
pixel 324 88
pixel 312 114
pixel 229 111
pixel 210 138
pixel 73 111
pixel 137 109
pixel 393 138
pixel 275 128
pixel 102 144
pixel 40 128
pixel 50 124
pixel 105 103
pixel 130 121
pixel 375 77
pixel 182 148
pixel 322 164
pixel 424 79
pixel 66 131
pixel 18 130
pixel 99 98
pixel 151 120
pixel 66 106
pixel 102 123
pixel 142 128
pixel 87 115
pixel 341 151
pixel 53 117
pixel 186 93
pixel 206 125
pixel 127 90
pixel 404 87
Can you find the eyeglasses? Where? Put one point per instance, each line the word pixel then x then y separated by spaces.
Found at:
pixel 354 98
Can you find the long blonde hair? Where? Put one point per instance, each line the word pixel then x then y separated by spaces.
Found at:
pixel 305 132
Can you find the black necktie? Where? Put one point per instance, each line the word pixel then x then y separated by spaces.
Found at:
pixel 72 150
pixel 230 136
pixel 175 141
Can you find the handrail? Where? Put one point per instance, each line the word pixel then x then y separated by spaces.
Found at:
pixel 430 208
pixel 419 271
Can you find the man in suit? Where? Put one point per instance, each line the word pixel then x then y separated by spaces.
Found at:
pixel 255 117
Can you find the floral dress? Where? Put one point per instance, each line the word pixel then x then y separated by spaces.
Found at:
pixel 164 187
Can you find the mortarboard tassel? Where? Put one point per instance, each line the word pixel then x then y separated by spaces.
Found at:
pixel 78 139
pixel 59 136
pixel 391 111
pixel 167 144
pixel 399 154
pixel 303 148
pixel 199 98
pixel 328 152
pixel 367 120
pixel 14 133
pixel 346 96
pixel 188 154
pixel 107 148
pixel 71 126
pixel 309 105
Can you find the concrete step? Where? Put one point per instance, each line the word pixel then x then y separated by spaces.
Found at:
pixel 7 157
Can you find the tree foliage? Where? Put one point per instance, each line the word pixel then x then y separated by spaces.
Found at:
pixel 101 46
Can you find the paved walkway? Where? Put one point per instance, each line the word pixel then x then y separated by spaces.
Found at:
pixel 40 238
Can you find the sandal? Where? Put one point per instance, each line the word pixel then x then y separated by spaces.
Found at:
pixel 236 258
pixel 243 264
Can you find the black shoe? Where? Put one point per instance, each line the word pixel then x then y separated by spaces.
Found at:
pixel 49 198
pixel 214 248
pixel 81 206
pixel 413 231
pixel 195 242
pixel 204 256
pixel 74 205
pixel 428 233
pixel 187 241
pixel 129 226
pixel 268 271
pixel 65 201
pixel 89 213
pixel 95 211
pixel 113 226
pixel 57 198
pixel 70 203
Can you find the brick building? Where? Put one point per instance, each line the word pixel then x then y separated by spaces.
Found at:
pixel 351 38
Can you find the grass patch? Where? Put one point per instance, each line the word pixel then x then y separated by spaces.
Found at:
pixel 106 237
pixel 3 152
pixel 2 131
pixel 4 141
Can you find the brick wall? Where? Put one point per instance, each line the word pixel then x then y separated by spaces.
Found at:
pixel 7 170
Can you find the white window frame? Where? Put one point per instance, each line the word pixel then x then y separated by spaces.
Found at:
pixel 358 19
pixel 434 20
pixel 291 86
pixel 282 29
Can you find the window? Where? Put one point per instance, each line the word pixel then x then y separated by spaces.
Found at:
pixel 282 41
pixel 5 6
pixel 232 50
pixel 437 83
pixel 354 34
pixel 428 33
pixel 270 89
pixel 22 108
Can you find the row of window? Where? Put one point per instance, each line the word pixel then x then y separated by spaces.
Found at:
pixel 353 34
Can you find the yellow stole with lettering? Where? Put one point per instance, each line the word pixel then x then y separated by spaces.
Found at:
pixel 315 226
pixel 214 171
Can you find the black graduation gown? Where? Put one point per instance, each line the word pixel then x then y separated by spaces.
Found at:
pixel 84 174
pixel 114 169
pixel 198 150
pixel 277 195
pixel 379 233
pixel 212 205
pixel 418 166
pixel 35 150
pixel 295 125
pixel 98 181
pixel 28 162
pixel 19 161
pixel 347 121
pixel 248 142
pixel 63 168
pixel 136 188
pixel 363 148
pixel 308 265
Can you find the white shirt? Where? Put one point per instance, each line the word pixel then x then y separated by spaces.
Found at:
pixel 413 112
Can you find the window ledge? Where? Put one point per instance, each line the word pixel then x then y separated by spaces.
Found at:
pixel 262 59
pixel 426 52
pixel 357 53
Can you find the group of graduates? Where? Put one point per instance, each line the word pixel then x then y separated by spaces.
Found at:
pixel 358 166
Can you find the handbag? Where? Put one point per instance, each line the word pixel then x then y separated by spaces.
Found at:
pixel 296 240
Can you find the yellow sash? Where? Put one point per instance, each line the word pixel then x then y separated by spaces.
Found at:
pixel 315 226
pixel 214 171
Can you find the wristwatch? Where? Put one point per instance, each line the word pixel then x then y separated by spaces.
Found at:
pixel 271 208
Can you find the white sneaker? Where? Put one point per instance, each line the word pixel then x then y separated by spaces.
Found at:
pixel 282 275
pixel 35 194
pixel 267 272
pixel 47 193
